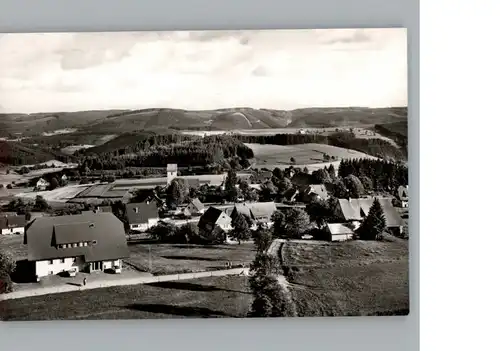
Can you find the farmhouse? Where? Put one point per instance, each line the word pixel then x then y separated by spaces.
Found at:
pixel 403 195
pixel 340 232
pixel 195 207
pixel 215 218
pixel 212 180
pixel 142 216
pixel 90 242
pixel 41 185
pixel 256 212
pixel 355 210
pixel 12 224
pixel 315 192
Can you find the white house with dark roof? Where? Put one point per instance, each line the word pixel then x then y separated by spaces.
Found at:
pixel 87 242
pixel 12 224
pixel 142 216
pixel 215 218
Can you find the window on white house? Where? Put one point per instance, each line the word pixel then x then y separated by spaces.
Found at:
pixel 51 261
pixel 61 260
pixel 51 272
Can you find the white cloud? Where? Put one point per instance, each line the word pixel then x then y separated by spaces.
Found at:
pixel 203 70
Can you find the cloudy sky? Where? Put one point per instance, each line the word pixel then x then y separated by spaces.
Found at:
pixel 284 69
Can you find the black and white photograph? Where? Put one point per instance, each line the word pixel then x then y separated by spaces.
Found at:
pixel 204 174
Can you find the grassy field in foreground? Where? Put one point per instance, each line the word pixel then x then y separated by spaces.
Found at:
pixel 349 278
pixel 172 258
pixel 303 153
pixel 208 297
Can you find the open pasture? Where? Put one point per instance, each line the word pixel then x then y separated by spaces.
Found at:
pixel 348 278
pixel 178 258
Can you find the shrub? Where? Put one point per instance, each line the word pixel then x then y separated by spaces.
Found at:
pixel 6 285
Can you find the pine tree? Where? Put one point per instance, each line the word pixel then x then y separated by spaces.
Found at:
pixel 374 224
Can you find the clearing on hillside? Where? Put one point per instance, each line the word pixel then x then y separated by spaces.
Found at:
pixel 348 278
pixel 267 154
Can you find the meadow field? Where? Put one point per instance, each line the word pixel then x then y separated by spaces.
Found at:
pixel 348 278
pixel 271 156
pixel 178 258
pixel 213 297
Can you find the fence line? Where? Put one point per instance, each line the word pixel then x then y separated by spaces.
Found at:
pixel 126 281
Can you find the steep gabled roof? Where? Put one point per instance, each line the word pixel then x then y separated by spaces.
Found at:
pixel 262 209
pixel 44 234
pixel 197 204
pixel 318 189
pixel 138 213
pixel 357 209
pixel 211 216
pixel 339 228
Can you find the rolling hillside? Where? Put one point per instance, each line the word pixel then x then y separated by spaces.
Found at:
pixel 156 119
pixel 319 117
pixel 16 153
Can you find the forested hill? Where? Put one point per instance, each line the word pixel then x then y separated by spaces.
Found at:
pixel 17 154
pixel 159 150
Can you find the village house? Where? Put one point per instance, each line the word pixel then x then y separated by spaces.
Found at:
pixel 315 192
pixel 41 185
pixel 211 180
pixel 76 243
pixel 215 218
pixel 142 216
pixel 403 195
pixel 256 213
pixel 12 224
pixel 195 208
pixel 355 210
pixel 340 232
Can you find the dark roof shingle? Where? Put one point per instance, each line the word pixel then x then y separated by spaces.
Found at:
pixel 44 234
pixel 138 213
